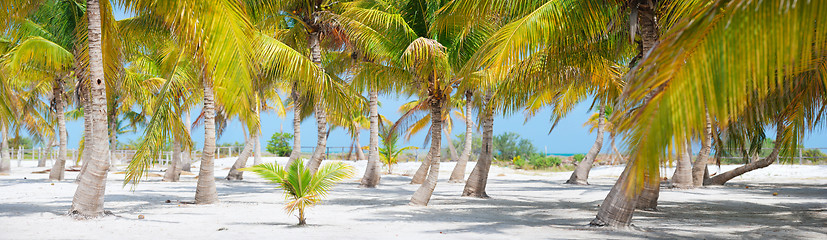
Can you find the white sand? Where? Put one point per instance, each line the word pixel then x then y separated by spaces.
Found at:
pixel 524 205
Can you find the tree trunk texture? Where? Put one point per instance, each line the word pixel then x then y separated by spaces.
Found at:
pixel 619 206
pixel 88 199
pixel 722 178
pixel 314 43
pixel 297 125
pixel 205 192
pixel 187 156
pixel 241 162
pixel 173 173
pixel 580 176
pixel 458 174
pixel 475 186
pixel 423 195
pixel 59 167
pixel 83 87
pixel 5 157
pixel 372 176
pixel 682 178
pixel 422 171
pixel 699 166
pixel 648 199
pixel 321 142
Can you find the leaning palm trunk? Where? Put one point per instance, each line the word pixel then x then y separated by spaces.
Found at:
pixel 475 186
pixel 297 124
pixel 648 199
pixel 682 178
pixel 722 178
pixel 240 162
pixel 423 195
pixel 372 176
pixel 205 192
pixel 699 172
pixel 580 176
pixel 58 169
pixel 321 142
pixel 173 173
pixel 88 199
pixel 458 175
pixel 422 171
pixel 619 205
pixel 5 158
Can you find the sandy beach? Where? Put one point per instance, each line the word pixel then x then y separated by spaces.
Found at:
pixel 524 205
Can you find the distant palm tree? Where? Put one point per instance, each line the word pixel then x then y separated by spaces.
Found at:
pixel 301 186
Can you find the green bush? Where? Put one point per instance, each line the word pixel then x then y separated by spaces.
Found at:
pixel 518 162
pixel 279 144
pixel 578 157
pixel 538 161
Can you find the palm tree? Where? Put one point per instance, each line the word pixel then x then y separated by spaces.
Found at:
pixel 581 173
pixel 411 111
pixel 88 200
pixel 304 188
pixel 223 61
pixel 422 58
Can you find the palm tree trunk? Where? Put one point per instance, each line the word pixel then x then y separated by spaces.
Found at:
pixel 699 166
pixel 257 138
pixel 451 148
pixel 475 186
pixel 682 178
pixel 58 169
pixel 648 199
pixel 372 176
pixel 87 132
pixel 241 161
pixel 580 176
pixel 321 142
pixel 360 154
pixel 314 43
pixel 187 156
pixel 205 192
pixel 423 195
pixel 722 178
pixel 88 199
pixel 297 124
pixel 173 173
pixel 422 171
pixel 5 158
pixel 619 205
pixel 458 175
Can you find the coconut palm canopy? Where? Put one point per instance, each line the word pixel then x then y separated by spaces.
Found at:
pixel 662 75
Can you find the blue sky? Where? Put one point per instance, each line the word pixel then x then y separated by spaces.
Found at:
pixel 568 137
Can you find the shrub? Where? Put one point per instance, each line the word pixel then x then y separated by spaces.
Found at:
pixel 578 157
pixel 539 161
pixel 518 162
pixel 279 144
